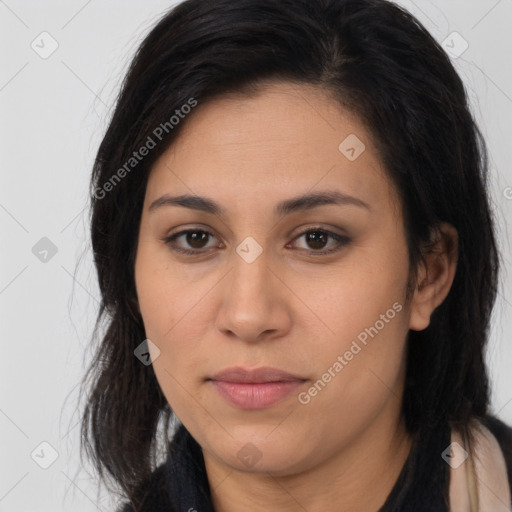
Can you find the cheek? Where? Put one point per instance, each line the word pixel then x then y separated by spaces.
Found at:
pixel 359 369
pixel 167 312
pixel 365 354
pixel 175 312
pixel 363 293
pixel 165 296
pixel 361 355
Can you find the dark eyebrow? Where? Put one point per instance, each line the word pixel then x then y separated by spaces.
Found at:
pixel 309 201
pixel 304 202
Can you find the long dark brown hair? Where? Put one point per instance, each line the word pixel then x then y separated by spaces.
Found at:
pixel 384 66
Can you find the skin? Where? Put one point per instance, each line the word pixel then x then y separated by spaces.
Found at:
pixel 290 308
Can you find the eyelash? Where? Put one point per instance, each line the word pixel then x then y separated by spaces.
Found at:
pixel 342 241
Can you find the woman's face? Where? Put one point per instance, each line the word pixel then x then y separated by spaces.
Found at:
pixel 312 287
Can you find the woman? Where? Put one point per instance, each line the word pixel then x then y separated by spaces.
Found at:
pixel 298 265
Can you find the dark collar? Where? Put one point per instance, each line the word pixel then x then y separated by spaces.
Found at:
pixel 187 482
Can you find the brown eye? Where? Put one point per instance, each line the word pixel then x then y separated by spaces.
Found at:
pixel 189 241
pixel 196 239
pixel 317 239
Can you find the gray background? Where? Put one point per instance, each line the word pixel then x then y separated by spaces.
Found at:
pixel 53 113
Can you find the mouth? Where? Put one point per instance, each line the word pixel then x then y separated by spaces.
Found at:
pixel 260 375
pixel 255 388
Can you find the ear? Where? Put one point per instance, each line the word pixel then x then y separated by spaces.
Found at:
pixel 435 275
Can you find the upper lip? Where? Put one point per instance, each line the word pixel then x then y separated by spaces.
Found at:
pixel 255 375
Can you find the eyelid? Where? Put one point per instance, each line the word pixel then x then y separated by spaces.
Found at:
pixel 173 236
pixel 342 240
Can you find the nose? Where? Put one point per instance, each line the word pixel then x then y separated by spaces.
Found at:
pixel 254 305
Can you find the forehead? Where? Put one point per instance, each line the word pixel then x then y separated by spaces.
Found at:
pixel 284 140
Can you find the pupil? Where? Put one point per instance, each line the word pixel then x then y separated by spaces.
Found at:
pixel 196 238
pixel 317 238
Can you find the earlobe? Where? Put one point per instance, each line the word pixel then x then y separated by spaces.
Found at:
pixel 435 276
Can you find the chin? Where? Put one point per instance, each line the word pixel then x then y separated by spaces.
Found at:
pixel 262 454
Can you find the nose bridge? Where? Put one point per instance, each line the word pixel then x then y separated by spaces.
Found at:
pixel 249 280
pixel 251 303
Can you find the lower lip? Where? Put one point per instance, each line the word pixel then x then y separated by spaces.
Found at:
pixel 255 395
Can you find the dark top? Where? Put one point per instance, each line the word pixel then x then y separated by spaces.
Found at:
pixel 181 484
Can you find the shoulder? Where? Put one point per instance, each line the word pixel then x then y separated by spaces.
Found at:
pixel 503 435
pixel 492 463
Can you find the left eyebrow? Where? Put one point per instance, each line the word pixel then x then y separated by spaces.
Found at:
pixel 295 204
pixel 309 201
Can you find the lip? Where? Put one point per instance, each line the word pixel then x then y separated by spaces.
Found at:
pixel 259 375
pixel 255 388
